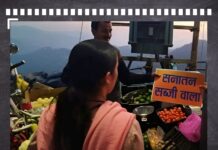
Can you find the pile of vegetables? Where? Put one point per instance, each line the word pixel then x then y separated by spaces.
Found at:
pixel 171 115
pixel 146 142
pixel 142 96
pixel 42 102
pixel 156 140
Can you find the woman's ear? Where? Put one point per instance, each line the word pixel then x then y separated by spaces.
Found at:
pixel 110 81
pixel 108 78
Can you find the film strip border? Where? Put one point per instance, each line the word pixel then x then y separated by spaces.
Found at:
pixel 16 12
pixel 108 12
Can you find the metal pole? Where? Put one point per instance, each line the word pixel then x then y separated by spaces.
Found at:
pixel 194 51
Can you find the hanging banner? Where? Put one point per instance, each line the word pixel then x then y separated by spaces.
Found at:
pixel 179 87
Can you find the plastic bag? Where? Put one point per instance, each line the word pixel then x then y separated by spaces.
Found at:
pixel 191 127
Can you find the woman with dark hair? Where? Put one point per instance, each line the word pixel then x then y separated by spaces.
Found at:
pixel 83 118
pixel 102 30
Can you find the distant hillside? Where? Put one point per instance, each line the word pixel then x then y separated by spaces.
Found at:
pixel 52 60
pixel 45 59
pixel 184 52
pixel 30 39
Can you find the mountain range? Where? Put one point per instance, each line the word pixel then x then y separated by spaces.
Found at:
pixel 52 60
pixel 33 44
pixel 30 39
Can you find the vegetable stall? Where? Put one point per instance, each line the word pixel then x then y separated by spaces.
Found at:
pixel 170 110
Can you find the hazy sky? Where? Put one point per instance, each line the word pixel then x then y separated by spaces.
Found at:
pixel 180 37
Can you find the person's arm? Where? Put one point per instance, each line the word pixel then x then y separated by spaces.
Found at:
pixel 134 139
pixel 127 77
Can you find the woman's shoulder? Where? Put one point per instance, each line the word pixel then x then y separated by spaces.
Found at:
pixel 134 139
pixel 115 109
pixel 115 105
